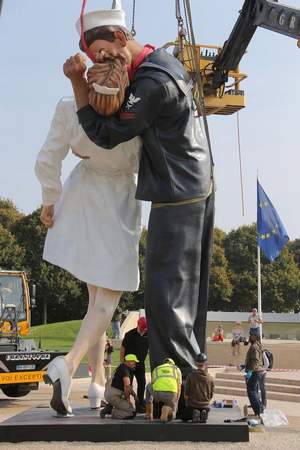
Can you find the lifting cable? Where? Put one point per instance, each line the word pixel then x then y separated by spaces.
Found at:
pixel 178 15
pixel 200 99
pixel 200 102
pixel 181 30
pixel 82 36
pixel 240 162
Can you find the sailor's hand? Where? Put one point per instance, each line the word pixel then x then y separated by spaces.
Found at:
pixel 47 214
pixel 75 67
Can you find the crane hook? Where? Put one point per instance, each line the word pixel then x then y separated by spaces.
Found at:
pixel 133 31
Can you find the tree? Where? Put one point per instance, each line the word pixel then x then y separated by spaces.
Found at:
pixel 220 286
pixel 240 250
pixel 280 278
pixel 9 213
pixel 294 248
pixel 281 283
pixel 11 253
pixel 244 296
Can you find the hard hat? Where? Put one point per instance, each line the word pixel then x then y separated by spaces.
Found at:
pixel 169 360
pixel 131 357
pixel 201 358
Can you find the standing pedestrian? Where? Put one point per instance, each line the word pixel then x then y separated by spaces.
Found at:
pixel 136 341
pixel 262 380
pixel 116 323
pixel 109 350
pixel 255 321
pixel 254 373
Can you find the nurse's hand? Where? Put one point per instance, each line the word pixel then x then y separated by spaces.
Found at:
pixel 47 214
pixel 75 67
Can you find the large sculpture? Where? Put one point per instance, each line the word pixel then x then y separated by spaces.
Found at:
pixel 176 175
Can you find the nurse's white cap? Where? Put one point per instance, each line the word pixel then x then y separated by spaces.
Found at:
pixel 93 19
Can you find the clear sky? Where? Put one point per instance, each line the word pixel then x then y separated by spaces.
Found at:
pixel 37 36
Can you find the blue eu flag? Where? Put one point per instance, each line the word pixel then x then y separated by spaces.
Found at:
pixel 271 234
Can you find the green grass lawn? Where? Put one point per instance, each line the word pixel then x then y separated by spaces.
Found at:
pixel 56 336
pixel 61 335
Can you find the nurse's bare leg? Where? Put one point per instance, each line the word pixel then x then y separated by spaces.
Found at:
pixel 97 385
pixel 96 360
pixel 94 324
pixel 96 353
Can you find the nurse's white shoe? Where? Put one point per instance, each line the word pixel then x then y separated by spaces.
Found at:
pixel 58 376
pixel 95 395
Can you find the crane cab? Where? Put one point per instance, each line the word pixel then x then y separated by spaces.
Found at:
pixel 226 100
pixel 14 304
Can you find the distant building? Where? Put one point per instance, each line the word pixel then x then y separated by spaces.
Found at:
pixel 276 326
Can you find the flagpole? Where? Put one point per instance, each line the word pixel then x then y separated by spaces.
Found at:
pixel 259 305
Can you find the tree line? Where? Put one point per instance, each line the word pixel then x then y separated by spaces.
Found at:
pixel 233 281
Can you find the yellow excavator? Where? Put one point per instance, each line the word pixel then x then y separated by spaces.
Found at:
pixel 22 363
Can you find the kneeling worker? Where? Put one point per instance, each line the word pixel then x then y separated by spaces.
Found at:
pixel 199 390
pixel 166 388
pixel 119 392
pixel 136 342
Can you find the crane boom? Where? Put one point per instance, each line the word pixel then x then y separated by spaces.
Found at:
pixel 279 18
pixel 255 13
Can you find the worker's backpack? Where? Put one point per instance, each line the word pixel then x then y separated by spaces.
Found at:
pixel 270 357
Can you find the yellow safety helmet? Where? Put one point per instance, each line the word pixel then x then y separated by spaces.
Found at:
pixel 131 357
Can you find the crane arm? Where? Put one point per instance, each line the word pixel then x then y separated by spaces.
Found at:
pixel 279 18
pixel 255 13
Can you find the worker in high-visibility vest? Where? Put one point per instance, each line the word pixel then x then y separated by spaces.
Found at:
pixel 165 388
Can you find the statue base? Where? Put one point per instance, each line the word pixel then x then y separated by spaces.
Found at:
pixel 40 424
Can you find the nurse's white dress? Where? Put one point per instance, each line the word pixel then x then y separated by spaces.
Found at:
pixel 97 220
